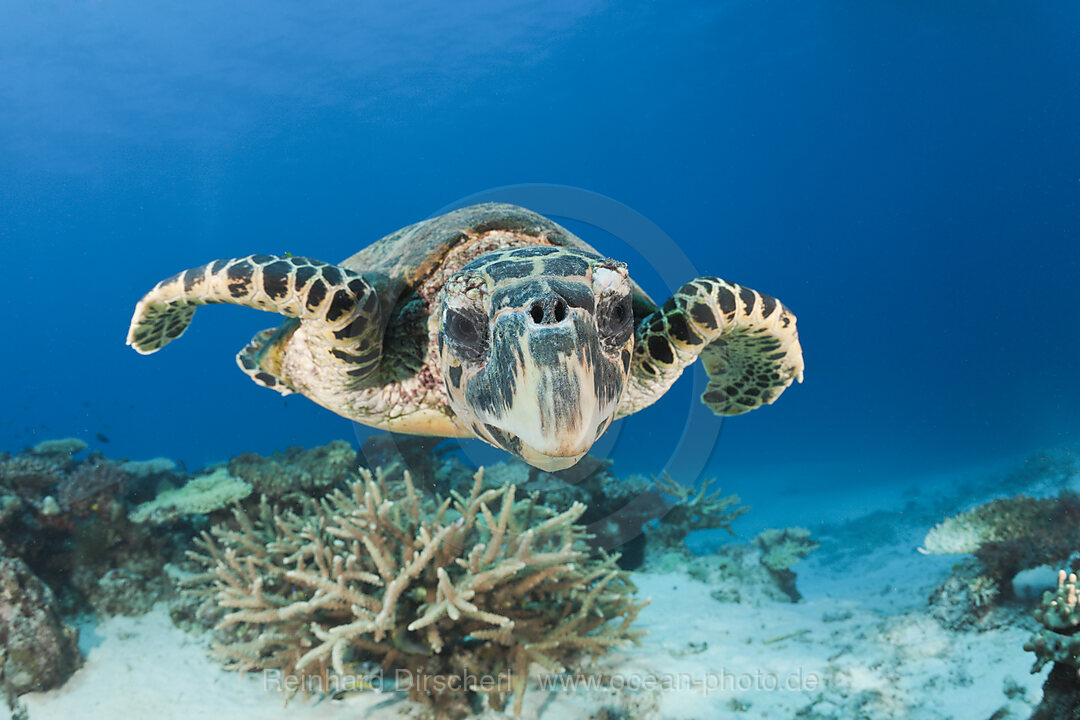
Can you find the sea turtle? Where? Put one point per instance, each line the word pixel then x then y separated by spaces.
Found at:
pixel 491 322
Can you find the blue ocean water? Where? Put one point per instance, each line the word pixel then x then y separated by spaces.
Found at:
pixel 904 175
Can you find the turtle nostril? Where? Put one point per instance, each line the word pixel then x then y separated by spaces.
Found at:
pixel 559 310
pixel 548 310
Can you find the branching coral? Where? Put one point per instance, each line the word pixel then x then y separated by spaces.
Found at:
pixel 1059 642
pixel 692 509
pixel 476 586
pixel 1060 616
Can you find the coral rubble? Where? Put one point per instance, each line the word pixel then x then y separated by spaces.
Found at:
pixel 781 550
pixel 478 585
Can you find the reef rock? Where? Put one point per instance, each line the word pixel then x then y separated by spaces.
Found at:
pixel 37 650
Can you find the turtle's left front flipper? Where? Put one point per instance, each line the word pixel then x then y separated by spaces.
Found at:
pixel 747 341
pixel 339 307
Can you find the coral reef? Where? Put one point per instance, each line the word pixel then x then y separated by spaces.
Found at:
pixel 1059 643
pixel 297 470
pixel 1006 536
pixel 38 651
pixel 478 585
pixel 201 495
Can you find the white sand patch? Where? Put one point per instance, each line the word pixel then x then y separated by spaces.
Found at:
pixel 146 667
pixel 828 658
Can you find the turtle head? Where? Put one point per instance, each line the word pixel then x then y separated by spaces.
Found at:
pixel 535 347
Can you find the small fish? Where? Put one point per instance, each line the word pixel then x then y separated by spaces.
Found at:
pixel 102 437
pixel 408 642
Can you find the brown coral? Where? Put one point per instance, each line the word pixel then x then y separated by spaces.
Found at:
pixel 96 485
pixel 1011 534
pixel 297 469
pixel 477 586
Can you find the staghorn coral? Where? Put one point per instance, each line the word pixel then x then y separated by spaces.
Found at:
pixel 476 586
pixel 297 469
pixel 201 495
pixel 617 509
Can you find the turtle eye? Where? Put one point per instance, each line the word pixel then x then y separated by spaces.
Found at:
pixel 467 332
pixel 615 322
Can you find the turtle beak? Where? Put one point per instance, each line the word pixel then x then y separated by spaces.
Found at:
pixel 554 392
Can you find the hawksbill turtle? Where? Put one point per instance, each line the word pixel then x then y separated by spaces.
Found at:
pixel 490 322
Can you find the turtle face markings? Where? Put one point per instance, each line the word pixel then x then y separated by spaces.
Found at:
pixel 535 350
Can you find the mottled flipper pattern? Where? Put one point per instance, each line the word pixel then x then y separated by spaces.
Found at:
pixel 338 306
pixel 747 341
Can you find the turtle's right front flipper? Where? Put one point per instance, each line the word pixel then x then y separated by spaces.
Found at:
pixel 340 308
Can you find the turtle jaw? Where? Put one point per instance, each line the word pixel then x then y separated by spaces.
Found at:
pixel 548 463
